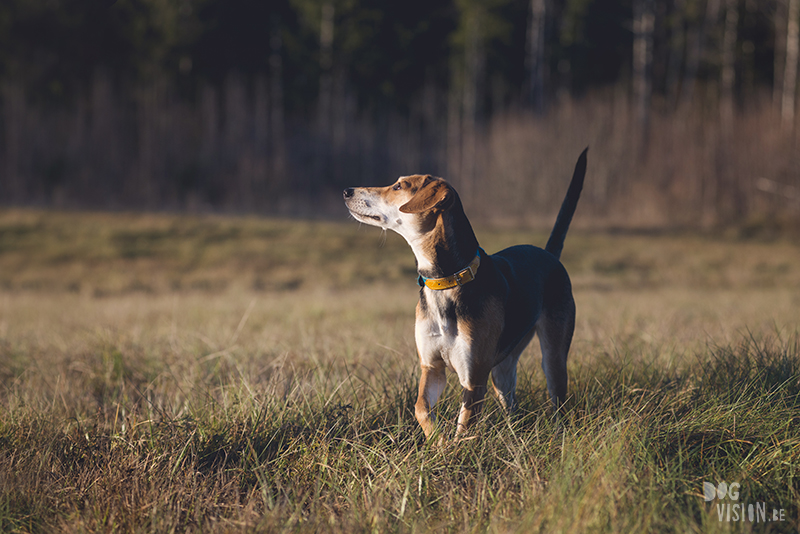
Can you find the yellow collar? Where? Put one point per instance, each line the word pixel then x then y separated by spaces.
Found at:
pixel 460 278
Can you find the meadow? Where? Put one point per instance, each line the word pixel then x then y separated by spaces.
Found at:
pixel 167 373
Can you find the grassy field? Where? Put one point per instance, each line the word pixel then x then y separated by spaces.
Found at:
pixel 211 374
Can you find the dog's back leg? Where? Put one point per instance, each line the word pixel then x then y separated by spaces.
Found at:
pixel 555 336
pixel 504 374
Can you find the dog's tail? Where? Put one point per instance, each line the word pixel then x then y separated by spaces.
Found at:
pixel 559 233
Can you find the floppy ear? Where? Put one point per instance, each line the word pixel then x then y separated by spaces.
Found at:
pixel 432 195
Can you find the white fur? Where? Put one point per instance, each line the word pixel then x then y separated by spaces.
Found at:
pixel 368 205
pixel 438 338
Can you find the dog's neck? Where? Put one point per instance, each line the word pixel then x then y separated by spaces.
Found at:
pixel 446 243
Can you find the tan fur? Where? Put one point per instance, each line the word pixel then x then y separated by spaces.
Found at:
pixel 429 196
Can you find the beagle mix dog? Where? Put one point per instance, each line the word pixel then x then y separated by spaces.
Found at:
pixel 476 312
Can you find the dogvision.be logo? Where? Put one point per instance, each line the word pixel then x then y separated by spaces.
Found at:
pixel 729 509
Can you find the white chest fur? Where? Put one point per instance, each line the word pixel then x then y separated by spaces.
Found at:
pixel 439 338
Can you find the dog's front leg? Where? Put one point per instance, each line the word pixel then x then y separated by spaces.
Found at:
pixel 471 404
pixel 431 385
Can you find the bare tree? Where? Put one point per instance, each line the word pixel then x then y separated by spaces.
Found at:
pixel 675 48
pixel 779 58
pixel 643 25
pixel 535 54
pixel 729 196
pixel 276 119
pixel 697 37
pixel 325 63
pixel 324 111
pixel 728 74
pixel 790 69
pixel 453 149
pixel 473 98
pixel 14 114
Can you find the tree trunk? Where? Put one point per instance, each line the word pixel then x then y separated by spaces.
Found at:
pixel 677 43
pixel 535 55
pixel 790 69
pixel 779 22
pixel 728 76
pixel 730 199
pixel 454 104
pixel 695 43
pixel 14 114
pixel 323 152
pixel 276 121
pixel 473 98
pixel 643 25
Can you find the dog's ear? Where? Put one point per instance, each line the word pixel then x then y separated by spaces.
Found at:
pixel 434 194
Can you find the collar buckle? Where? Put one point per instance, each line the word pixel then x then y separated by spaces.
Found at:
pixel 462 278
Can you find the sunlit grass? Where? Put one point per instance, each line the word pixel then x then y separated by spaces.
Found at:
pixel 243 407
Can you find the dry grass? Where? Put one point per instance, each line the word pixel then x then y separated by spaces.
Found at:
pixel 218 374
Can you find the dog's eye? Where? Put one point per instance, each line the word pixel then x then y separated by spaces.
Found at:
pixel 397 186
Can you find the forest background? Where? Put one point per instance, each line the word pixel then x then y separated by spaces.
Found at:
pixel 272 107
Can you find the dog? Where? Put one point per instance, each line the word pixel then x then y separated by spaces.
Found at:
pixel 476 312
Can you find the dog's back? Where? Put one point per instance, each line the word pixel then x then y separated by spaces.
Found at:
pixel 527 272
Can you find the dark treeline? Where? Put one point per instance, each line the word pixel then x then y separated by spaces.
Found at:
pixel 274 106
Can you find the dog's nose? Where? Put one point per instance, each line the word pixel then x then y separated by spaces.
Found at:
pixel 347 193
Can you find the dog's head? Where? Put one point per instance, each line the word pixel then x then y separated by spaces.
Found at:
pixel 404 206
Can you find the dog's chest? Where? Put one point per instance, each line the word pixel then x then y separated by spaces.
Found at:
pixel 437 334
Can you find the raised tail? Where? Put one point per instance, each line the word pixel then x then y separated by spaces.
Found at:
pixel 556 241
